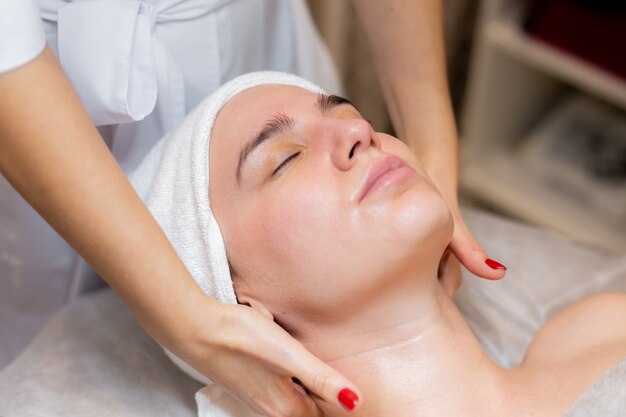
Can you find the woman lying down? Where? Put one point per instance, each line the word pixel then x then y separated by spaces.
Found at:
pixel 335 232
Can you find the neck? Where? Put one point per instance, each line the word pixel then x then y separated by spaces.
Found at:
pixel 417 358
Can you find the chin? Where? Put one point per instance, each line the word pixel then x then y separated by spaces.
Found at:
pixel 421 221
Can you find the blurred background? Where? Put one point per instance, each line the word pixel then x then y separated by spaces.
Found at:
pixel 539 94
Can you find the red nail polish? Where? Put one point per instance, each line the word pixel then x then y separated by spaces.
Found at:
pixel 494 265
pixel 348 398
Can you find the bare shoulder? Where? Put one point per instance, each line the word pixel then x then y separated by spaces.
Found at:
pixel 594 327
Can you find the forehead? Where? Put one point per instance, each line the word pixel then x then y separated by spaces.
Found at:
pixel 252 108
pixel 249 110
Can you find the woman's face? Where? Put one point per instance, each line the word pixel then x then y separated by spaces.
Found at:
pixel 321 210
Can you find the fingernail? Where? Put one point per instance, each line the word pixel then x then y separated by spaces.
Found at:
pixel 494 265
pixel 348 398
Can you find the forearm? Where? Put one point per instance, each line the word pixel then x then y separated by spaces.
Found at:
pixel 406 38
pixel 53 155
pixel 407 43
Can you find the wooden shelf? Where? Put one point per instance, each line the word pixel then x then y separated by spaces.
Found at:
pixel 506 35
pixel 514 83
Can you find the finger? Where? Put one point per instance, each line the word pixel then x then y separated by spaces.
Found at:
pixel 295 403
pixel 450 275
pixel 280 398
pixel 443 262
pixel 324 382
pixel 471 254
pixel 308 405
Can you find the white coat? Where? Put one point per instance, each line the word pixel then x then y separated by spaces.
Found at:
pixel 139 66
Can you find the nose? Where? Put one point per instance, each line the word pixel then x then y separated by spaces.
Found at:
pixel 352 137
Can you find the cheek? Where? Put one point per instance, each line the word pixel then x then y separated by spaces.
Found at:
pixel 389 144
pixel 298 219
pixel 304 239
pixel 275 234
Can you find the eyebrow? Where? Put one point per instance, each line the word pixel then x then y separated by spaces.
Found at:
pixel 326 102
pixel 281 123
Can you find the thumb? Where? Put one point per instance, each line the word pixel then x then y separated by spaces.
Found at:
pixel 471 254
pixel 326 383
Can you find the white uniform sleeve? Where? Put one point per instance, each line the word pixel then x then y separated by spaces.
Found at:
pixel 21 33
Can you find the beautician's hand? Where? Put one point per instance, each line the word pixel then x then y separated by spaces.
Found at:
pixel 53 155
pixel 463 244
pixel 449 273
pixel 255 360
pixel 469 251
pixel 406 38
pixel 443 172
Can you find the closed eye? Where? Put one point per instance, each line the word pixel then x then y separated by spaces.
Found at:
pixel 284 163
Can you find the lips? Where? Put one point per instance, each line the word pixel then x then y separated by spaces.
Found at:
pixel 389 170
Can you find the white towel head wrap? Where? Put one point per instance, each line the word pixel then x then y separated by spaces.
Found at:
pixel 173 182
